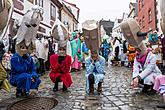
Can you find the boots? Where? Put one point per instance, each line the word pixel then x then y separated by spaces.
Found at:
pixel 91 84
pixel 18 93
pixel 55 89
pixel 99 89
pixel 148 89
pixel 91 89
pixel 161 106
pixel 64 88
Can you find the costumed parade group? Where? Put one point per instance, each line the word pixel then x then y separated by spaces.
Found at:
pixel 25 72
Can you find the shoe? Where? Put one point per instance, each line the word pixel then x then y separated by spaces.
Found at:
pixel 64 88
pixel 146 88
pixel 161 106
pixel 99 89
pixel 91 89
pixel 151 92
pixel 55 88
pixel 18 93
pixel 25 94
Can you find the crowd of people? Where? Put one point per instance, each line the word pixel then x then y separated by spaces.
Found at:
pixel 24 69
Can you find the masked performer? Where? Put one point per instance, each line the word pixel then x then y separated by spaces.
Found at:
pixel 144 69
pixel 23 72
pixel 60 64
pixel 94 64
pixel 160 80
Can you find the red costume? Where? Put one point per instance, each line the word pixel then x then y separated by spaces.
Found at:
pixel 62 70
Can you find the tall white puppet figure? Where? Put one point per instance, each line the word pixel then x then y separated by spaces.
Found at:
pixel 145 69
pixel 28 30
pixel 23 72
pixel 6 9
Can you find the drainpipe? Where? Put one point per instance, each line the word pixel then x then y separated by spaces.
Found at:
pixel 155 12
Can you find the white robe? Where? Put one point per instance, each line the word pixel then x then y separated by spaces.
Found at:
pixel 149 71
pixel 42 49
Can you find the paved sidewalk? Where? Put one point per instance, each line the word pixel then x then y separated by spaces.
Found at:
pixel 117 94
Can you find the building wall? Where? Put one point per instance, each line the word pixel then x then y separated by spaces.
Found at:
pixel 158 17
pixel 45 23
pixel 68 20
pixel 143 14
pixel 132 13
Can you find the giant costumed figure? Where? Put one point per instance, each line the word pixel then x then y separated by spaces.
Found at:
pixel 61 62
pixel 95 63
pixel 144 69
pixel 160 80
pixel 23 72
pixel 6 9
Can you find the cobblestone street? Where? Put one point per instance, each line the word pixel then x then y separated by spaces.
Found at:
pixel 117 94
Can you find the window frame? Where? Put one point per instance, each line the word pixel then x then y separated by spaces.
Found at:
pixel 52 16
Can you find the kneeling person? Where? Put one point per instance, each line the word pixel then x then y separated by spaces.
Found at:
pixel 94 72
pixel 60 64
pixel 23 73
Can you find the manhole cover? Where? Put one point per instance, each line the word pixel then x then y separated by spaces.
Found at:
pixel 36 103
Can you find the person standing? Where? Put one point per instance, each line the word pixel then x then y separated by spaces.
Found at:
pixel 106 50
pixel 42 48
pixel 76 51
pixel 3 74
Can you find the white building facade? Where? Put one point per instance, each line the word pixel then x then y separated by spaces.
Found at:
pixel 50 9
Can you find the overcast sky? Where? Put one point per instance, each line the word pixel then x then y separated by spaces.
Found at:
pixel 98 9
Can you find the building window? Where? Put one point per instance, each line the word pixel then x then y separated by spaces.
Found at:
pixel 142 3
pixel 73 26
pixel 143 25
pixel 139 5
pixel 53 12
pixel 149 15
pixel 40 3
pixel 140 23
pixel 31 1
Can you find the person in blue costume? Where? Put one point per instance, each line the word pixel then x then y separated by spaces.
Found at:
pixel 106 49
pixel 23 73
pixel 95 66
pixel 153 38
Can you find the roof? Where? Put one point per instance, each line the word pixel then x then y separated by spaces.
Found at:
pixel 57 3
pixel 70 12
pixel 73 5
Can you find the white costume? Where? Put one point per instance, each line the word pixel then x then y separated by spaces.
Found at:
pixel 145 62
pixel 28 30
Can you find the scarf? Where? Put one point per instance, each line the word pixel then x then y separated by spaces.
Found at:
pixel 142 58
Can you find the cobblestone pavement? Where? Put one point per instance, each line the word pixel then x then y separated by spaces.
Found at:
pixel 117 94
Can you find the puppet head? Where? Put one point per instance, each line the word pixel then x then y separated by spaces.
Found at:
pixel 59 31
pixel 132 33
pixel 28 30
pixel 91 33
